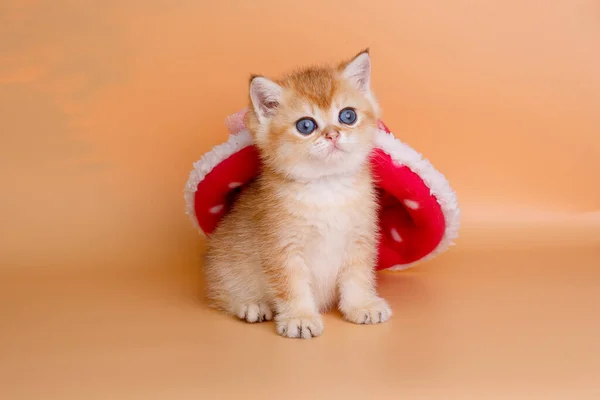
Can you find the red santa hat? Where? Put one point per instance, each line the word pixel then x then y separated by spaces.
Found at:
pixel 419 215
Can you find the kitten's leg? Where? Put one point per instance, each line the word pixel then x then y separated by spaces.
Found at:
pixel 359 302
pixel 237 287
pixel 296 312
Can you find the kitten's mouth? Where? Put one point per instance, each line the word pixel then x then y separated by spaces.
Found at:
pixel 335 148
pixel 334 153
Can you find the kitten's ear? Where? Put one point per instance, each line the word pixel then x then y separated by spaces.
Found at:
pixel 265 96
pixel 358 72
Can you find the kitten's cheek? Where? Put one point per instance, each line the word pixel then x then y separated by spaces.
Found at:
pixel 287 151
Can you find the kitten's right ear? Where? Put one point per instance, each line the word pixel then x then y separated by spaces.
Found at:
pixel 358 72
pixel 265 96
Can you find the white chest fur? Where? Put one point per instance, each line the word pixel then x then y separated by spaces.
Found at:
pixel 330 219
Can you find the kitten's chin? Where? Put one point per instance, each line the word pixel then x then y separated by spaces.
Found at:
pixel 335 154
pixel 335 163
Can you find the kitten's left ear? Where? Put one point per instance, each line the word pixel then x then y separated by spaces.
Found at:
pixel 265 96
pixel 358 72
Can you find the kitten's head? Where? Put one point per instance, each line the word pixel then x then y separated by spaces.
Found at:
pixel 316 122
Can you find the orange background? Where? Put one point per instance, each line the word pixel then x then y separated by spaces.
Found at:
pixel 104 105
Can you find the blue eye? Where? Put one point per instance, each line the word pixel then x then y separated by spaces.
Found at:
pixel 306 126
pixel 347 116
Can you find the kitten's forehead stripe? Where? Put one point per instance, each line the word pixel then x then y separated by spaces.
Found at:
pixel 317 85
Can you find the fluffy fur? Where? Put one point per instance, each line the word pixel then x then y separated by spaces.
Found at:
pixel 303 236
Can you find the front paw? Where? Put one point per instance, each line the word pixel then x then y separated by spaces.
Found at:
pixel 304 327
pixel 374 311
pixel 252 313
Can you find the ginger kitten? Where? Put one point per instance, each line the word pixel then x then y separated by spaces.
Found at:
pixel 303 236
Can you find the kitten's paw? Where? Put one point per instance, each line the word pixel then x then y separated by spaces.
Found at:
pixel 301 327
pixel 373 312
pixel 254 312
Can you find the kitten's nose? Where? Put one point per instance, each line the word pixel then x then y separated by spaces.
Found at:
pixel 332 135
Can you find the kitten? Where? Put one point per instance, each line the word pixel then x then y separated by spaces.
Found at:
pixel 304 236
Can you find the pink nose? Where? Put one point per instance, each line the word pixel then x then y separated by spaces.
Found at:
pixel 332 135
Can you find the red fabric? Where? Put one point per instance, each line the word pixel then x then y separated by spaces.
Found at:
pixel 409 231
pixel 215 191
pixel 419 230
